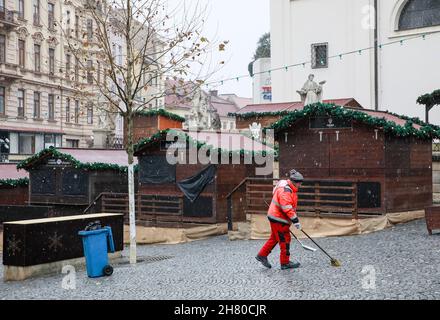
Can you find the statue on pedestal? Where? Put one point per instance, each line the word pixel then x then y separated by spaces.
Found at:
pixel 311 91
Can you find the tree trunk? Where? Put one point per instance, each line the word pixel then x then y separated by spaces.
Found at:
pixel 428 108
pixel 131 189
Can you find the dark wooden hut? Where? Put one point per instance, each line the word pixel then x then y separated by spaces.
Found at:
pixel 147 123
pixel 75 177
pixel 195 192
pixel 357 160
pixel 13 185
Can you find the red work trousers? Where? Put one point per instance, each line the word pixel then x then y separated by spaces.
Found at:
pixel 280 235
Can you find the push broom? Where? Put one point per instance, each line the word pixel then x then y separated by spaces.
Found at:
pixel 334 262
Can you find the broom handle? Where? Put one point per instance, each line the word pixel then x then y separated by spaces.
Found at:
pixel 316 244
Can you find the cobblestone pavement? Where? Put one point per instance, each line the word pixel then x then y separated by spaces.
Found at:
pixel 405 259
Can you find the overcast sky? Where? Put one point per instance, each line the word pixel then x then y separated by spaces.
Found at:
pixel 241 22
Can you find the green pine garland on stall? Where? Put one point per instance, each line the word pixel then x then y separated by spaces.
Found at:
pixel 159 136
pixel 161 112
pixel 14 183
pixel 29 163
pixel 250 115
pixel 321 109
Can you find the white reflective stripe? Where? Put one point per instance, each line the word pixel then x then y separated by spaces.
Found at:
pixel 287 207
pixel 276 203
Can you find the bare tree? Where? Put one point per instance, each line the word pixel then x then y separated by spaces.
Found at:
pixel 157 44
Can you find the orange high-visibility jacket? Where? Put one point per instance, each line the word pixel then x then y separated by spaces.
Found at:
pixel 284 203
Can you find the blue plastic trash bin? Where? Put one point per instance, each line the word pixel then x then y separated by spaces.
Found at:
pixel 97 244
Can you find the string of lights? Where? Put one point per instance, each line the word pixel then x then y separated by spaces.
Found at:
pixel 286 68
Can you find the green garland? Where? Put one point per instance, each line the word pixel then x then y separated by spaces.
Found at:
pixel 430 99
pixel 160 112
pixel 182 135
pixel 14 183
pixel 250 115
pixel 425 132
pixel 29 163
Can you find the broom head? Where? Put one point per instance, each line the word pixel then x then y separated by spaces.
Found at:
pixel 336 263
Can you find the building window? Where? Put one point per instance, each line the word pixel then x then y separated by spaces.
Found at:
pixel 68 110
pixel 89 29
pixel 51 15
pixel 21 53
pixel 37 57
pixel 26 143
pixel 36 12
pixel 90 114
pixel 77 27
pixel 420 14
pixel 51 61
pixel 21 105
pixel 51 105
pixel 21 9
pixel 2 48
pixel 76 70
pixel 37 97
pixel 68 64
pixel 76 111
pixel 52 140
pixel 89 72
pixel 99 72
pixel 70 143
pixel 2 100
pixel 120 56
pixel 319 55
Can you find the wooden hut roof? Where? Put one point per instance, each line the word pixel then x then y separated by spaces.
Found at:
pixel 270 108
pixel 392 123
pixel 161 112
pixel 236 142
pixel 11 176
pixel 92 159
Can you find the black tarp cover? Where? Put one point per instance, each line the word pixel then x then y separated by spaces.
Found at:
pixel 194 186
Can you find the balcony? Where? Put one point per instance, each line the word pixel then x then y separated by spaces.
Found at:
pixel 8 19
pixel 9 73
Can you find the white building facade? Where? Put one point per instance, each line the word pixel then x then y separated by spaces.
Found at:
pixel 319 32
pixel 262 84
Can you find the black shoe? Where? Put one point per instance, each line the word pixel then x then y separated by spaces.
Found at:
pixel 290 265
pixel 264 261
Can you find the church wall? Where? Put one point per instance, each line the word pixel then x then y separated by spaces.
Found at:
pixel 406 71
pixel 296 25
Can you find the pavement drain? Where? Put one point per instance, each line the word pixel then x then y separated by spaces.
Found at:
pixel 145 260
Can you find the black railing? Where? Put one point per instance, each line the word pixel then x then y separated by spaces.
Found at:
pixel 116 143
pixel 7 15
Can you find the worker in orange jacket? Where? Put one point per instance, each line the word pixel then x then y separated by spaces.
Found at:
pixel 282 214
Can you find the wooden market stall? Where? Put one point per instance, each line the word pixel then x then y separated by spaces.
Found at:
pixel 357 161
pixel 147 123
pixel 74 177
pixel 13 185
pixel 193 190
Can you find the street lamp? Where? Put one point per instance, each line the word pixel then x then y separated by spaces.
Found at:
pixel 4 143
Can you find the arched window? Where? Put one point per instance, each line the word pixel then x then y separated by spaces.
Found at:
pixel 420 14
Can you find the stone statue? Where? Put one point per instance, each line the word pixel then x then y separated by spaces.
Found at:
pixel 216 123
pixel 311 92
pixel 198 118
pixel 255 130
